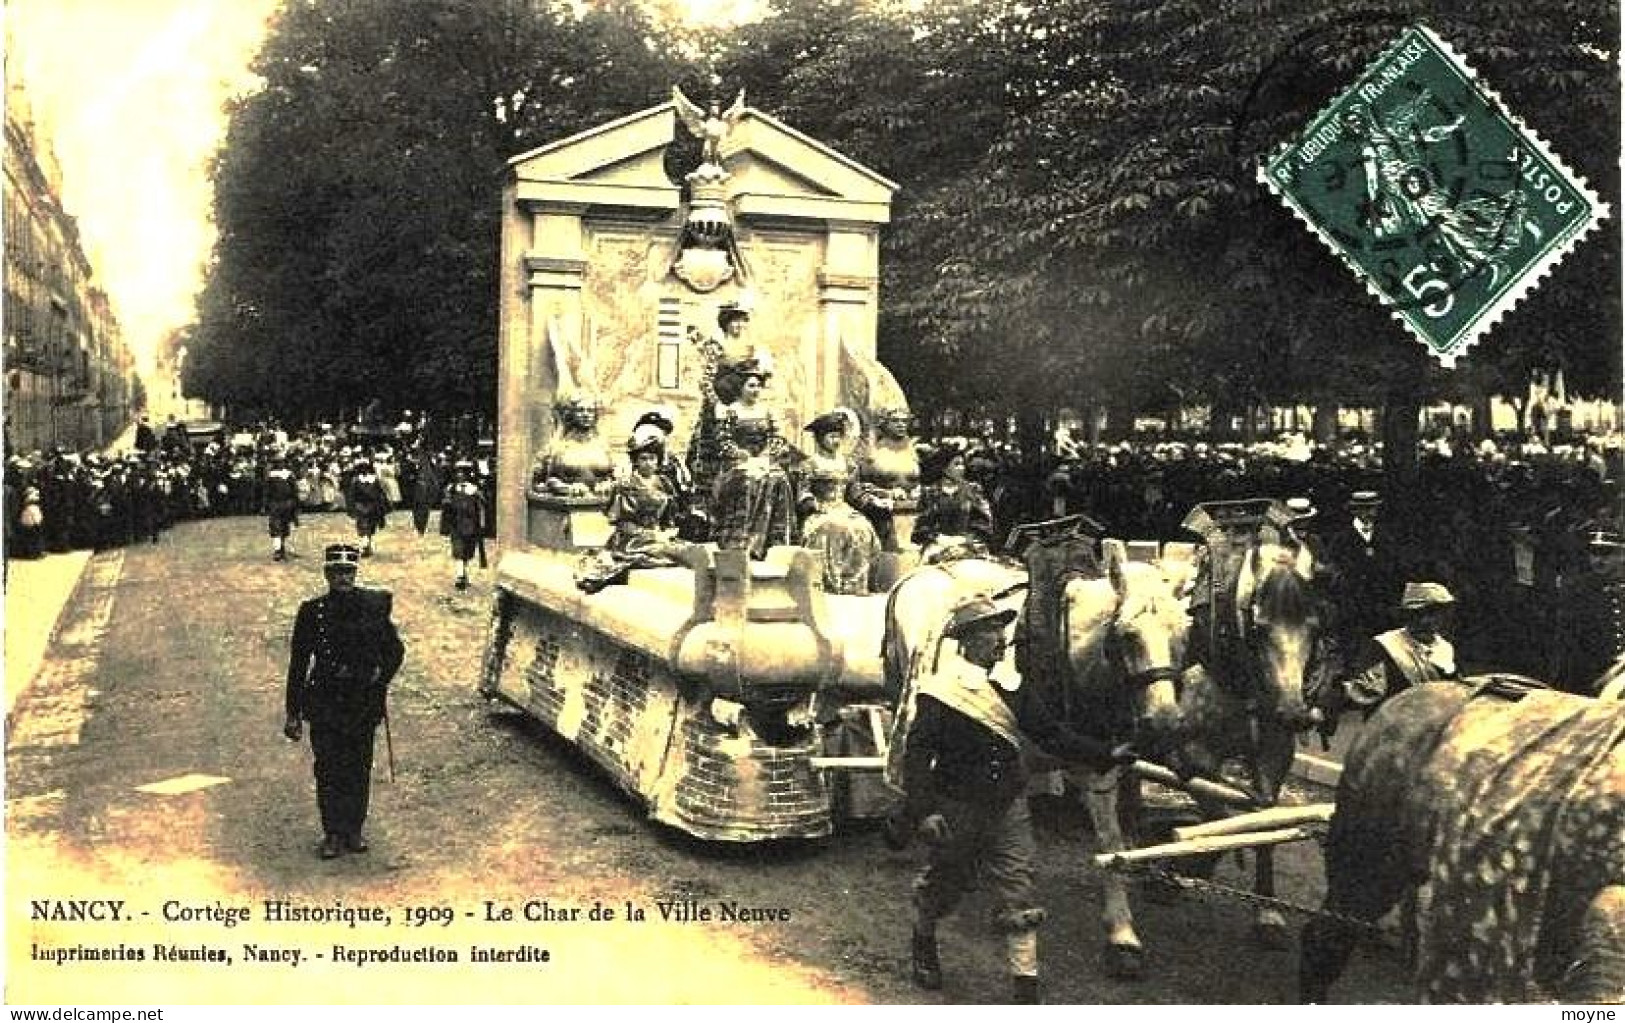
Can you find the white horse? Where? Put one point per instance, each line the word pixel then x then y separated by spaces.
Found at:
pixel 1125 645
pixel 1242 697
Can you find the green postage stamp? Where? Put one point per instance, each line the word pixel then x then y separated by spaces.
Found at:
pixel 1445 204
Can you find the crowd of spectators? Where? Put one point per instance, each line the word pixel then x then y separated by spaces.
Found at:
pixel 1526 532
pixel 58 501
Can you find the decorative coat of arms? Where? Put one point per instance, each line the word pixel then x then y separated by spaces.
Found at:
pixel 708 251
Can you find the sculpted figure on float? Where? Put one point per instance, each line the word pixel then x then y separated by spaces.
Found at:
pixel 576 463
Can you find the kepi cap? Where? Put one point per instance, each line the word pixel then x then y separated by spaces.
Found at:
pixel 341 555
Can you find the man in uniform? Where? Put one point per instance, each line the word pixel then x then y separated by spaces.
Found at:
pixel 366 503
pixel 345 652
pixel 1400 658
pixel 966 780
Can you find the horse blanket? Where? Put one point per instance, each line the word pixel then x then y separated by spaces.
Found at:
pixel 1520 810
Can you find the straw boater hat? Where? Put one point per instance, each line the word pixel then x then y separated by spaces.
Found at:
pixel 1364 499
pixel 975 614
pixel 1300 508
pixel 1421 596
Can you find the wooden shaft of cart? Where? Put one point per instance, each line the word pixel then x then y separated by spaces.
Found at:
pixel 1199 846
pixel 1202 787
pixel 1260 820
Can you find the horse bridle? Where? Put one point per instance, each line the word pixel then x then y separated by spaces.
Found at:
pixel 1251 661
pixel 1139 680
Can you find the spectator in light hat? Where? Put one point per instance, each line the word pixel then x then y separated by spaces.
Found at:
pixel 1398 659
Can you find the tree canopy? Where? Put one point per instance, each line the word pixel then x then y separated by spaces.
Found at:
pixel 357 193
pixel 1079 218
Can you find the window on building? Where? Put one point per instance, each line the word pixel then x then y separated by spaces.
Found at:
pixel 668 344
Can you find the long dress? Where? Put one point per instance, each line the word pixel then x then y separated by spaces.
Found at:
pixel 389 479
pixel 642 510
pixel 845 541
pixel 753 507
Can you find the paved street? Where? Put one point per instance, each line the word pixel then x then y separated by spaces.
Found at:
pixel 167 671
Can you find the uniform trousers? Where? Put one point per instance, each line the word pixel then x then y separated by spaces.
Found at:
pixel 343 774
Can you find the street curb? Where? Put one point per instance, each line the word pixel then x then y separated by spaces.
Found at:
pixel 14 699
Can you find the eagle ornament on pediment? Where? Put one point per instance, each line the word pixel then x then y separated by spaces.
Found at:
pixel 708 252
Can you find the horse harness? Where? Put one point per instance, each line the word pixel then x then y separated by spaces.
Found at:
pixel 1232 632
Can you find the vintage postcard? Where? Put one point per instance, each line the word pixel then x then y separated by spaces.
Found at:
pixel 516 504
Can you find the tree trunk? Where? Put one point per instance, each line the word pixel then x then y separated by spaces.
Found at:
pixel 1119 417
pixel 1093 422
pixel 1483 415
pixel 1223 411
pixel 1400 531
pixel 1324 425
pixel 1031 433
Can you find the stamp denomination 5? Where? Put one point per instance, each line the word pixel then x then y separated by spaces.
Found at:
pixel 1445 204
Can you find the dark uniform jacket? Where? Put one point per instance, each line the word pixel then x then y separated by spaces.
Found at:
pixel 282 494
pixel 345 652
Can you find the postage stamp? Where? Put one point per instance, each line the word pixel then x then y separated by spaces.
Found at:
pixel 1444 203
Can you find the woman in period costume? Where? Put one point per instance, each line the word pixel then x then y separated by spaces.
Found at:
pixel 890 474
pixel 752 507
pixel 389 476
pixel 719 386
pixel 828 500
pixel 692 518
pixel 642 508
pixel 955 515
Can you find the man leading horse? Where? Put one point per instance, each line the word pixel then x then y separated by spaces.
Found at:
pixel 973 735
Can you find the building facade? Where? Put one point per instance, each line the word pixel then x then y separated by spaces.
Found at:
pixel 69 378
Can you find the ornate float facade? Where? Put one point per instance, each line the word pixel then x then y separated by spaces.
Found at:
pixel 725 693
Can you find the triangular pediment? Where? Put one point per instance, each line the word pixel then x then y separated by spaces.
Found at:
pixel 764 157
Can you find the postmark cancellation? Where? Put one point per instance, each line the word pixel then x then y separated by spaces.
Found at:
pixel 1446 205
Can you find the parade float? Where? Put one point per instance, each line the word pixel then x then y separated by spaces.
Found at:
pixel 734 697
